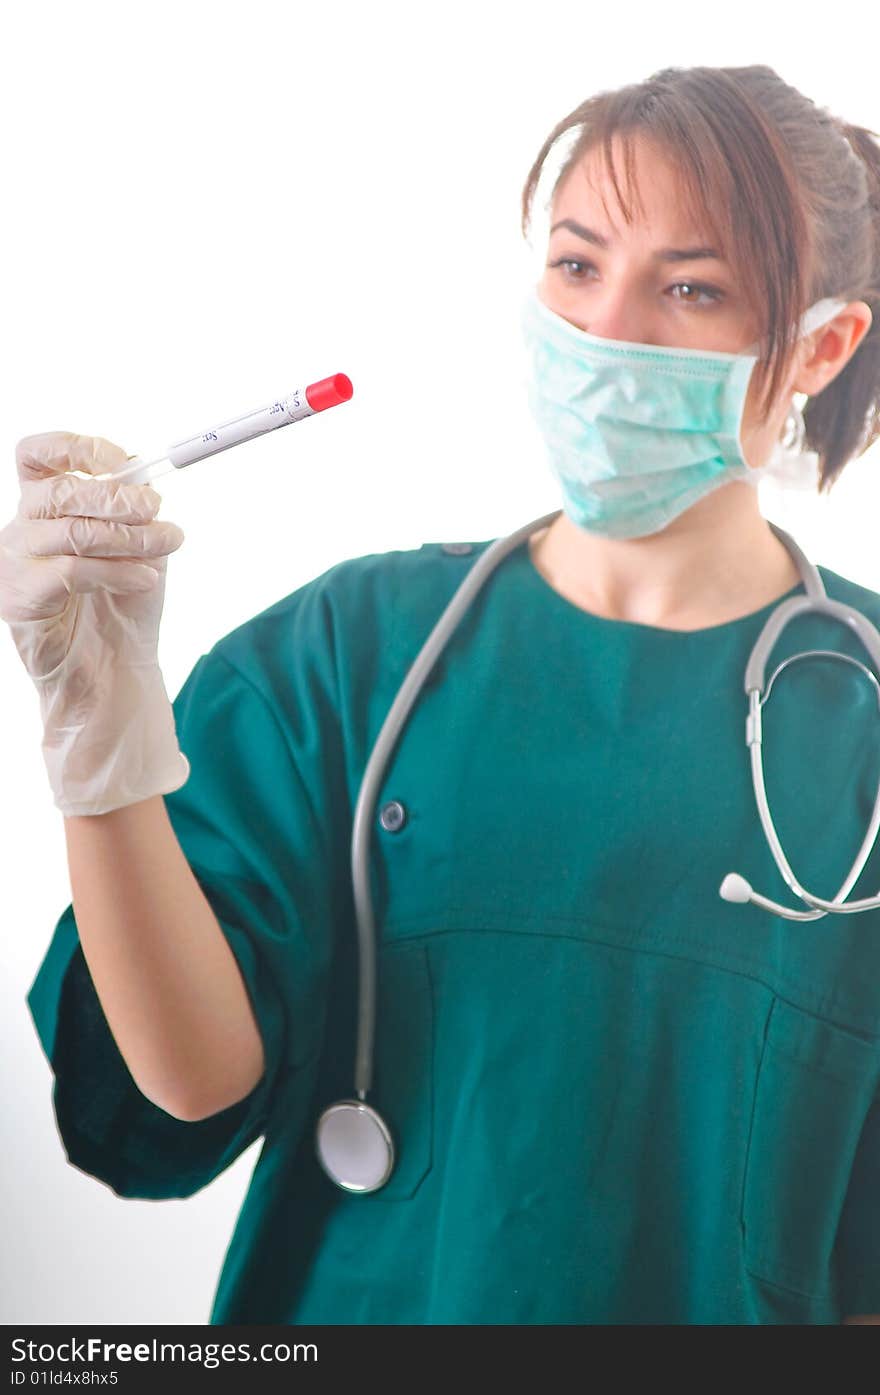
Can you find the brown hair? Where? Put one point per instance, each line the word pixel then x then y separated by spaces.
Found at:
pixel 793 195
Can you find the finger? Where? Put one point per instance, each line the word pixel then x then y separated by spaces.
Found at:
pixel 60 496
pixel 54 452
pixel 41 589
pixel 88 537
pixel 82 574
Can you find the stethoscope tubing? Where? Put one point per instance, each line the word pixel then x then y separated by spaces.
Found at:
pixel 375 770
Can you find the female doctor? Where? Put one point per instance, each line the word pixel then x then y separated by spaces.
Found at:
pixel 598 1092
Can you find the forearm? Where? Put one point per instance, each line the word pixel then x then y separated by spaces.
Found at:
pixel 168 983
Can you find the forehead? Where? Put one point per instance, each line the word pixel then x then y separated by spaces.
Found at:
pixel 655 193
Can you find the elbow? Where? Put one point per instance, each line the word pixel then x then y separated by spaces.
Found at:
pixel 176 1108
pixel 193 1102
pixel 193 1109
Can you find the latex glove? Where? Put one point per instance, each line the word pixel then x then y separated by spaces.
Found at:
pixel 82 586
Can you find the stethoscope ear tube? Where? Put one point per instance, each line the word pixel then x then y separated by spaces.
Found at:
pixel 734 887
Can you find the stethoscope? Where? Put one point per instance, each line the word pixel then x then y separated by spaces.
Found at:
pixel 353 1142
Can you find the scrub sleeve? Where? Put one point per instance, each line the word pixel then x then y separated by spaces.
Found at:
pixel 256 837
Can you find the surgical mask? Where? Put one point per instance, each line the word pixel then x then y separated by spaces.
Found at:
pixel 637 433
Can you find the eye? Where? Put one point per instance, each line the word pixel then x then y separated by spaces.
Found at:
pixel 712 293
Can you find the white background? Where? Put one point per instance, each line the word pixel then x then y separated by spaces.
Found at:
pixel 206 205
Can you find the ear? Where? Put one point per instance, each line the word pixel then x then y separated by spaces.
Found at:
pixel 826 351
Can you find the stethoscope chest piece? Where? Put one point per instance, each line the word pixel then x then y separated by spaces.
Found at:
pixel 354 1146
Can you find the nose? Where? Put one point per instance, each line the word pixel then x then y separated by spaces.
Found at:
pixel 612 314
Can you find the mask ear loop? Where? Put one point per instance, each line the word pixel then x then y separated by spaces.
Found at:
pixel 790 465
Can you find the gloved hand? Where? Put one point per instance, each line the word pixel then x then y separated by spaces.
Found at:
pixel 82 585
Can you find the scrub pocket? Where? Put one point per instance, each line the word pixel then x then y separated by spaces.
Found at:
pixel 403 1074
pixel 814 1088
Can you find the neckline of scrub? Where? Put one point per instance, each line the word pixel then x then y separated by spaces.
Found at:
pixel 589 619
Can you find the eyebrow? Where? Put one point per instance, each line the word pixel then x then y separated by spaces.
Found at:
pixel 665 254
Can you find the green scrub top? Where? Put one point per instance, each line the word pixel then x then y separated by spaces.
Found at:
pixel 616 1097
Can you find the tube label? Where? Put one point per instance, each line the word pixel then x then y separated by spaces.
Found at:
pixel 288 409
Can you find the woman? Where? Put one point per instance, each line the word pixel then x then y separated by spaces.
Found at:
pixel 614 1097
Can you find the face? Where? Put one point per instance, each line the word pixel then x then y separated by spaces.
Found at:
pixel 625 290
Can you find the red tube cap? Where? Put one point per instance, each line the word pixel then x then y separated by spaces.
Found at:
pixel 329 392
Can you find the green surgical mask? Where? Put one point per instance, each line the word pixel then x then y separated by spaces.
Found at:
pixel 637 433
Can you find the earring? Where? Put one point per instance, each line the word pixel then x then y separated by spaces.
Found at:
pixel 793 430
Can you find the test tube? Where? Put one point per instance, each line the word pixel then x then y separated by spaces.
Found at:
pixel 299 404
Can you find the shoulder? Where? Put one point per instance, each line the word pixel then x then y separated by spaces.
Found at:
pixel 842 588
pixel 351 615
